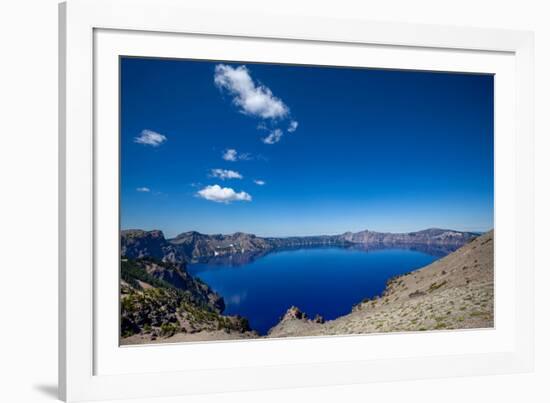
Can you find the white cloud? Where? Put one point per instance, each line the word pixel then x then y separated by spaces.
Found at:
pixel 143 189
pixel 232 155
pixel 259 182
pixel 218 194
pixel 252 98
pixel 273 137
pixel 150 138
pixel 225 174
pixel 292 127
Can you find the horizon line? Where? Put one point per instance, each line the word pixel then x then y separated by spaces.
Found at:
pixel 303 236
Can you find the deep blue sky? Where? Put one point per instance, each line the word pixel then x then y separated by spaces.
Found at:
pixel 374 149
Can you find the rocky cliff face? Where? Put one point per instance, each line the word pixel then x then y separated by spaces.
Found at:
pixel 136 244
pixel 432 236
pixel 193 246
pixel 160 300
pixel 176 275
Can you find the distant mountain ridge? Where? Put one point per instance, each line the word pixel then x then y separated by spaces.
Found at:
pixel 192 246
pixel 427 236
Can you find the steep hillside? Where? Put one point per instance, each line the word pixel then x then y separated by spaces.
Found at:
pixel 455 292
pixel 160 301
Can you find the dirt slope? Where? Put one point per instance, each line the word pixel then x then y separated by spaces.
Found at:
pixel 455 292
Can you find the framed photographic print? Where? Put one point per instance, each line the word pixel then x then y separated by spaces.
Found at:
pixel 245 207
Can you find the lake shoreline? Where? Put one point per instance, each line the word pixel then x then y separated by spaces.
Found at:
pixel 378 313
pixel 335 279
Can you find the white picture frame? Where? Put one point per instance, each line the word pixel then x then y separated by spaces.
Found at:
pixel 93 33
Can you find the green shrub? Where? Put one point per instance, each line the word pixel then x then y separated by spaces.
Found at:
pixel 168 329
pixel 435 286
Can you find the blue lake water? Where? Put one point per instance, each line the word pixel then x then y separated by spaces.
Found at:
pixel 325 281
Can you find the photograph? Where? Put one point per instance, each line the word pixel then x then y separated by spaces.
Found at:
pixel 264 200
pixel 208 201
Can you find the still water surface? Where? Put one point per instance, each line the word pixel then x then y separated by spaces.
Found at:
pixel 325 281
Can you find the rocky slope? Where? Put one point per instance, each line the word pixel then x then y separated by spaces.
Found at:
pixel 136 243
pixel 193 246
pixel 160 301
pixel 455 292
pixel 432 236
